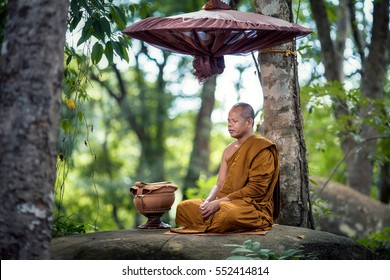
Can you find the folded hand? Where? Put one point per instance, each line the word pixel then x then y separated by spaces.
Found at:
pixel 209 208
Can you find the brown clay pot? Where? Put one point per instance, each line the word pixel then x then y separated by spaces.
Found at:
pixel 152 200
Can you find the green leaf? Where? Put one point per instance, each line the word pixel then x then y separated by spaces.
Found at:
pixel 265 251
pixel 133 8
pixel 98 5
pixel 240 258
pixel 88 25
pixel 125 54
pixel 117 48
pixel 86 6
pixel 87 31
pixel 255 246
pixel 109 53
pixel 75 20
pixel 84 38
pixel 232 245
pixel 241 250
pixel 271 256
pixel 97 30
pixel 118 16
pixel 125 41
pixel 105 26
pixel 314 182
pixel 97 53
pixel 247 244
pixel 69 59
pixel 291 253
pixel 144 10
pixel 66 125
pixel 74 6
pixel 120 50
pixel 80 116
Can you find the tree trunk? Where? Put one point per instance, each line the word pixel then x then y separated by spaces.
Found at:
pixel 360 167
pixel 31 69
pixel 283 121
pixel 200 154
pixel 358 156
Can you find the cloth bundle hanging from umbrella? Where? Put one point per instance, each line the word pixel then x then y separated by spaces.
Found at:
pixel 213 32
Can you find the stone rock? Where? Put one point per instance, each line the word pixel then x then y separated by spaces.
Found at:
pixel 353 214
pixel 157 245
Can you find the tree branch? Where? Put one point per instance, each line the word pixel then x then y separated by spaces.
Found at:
pixel 104 85
pixel 355 31
pixel 320 16
pixel 119 98
pixel 121 83
pixel 374 67
pixel 346 155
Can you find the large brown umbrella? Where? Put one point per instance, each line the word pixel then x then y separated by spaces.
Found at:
pixel 213 32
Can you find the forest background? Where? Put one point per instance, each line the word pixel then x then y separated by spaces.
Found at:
pixel 139 116
pixel 131 112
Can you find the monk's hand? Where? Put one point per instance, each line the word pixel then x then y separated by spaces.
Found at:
pixel 202 206
pixel 209 208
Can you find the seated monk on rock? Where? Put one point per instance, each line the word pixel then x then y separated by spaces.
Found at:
pixel 246 196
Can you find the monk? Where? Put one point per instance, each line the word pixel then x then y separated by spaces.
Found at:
pixel 246 196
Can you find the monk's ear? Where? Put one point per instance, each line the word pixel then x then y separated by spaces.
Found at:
pixel 250 121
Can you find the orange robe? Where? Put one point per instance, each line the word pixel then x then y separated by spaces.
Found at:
pixel 251 184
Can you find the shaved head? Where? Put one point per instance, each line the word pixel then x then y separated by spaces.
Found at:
pixel 247 111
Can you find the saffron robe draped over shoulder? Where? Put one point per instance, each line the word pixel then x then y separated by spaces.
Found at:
pixel 251 184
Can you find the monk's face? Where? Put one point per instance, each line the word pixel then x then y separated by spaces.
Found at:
pixel 238 126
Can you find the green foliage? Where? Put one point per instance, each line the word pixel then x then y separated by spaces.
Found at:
pixel 102 22
pixel 379 243
pixel 95 29
pixel 169 8
pixel 323 149
pixel 63 226
pixel 324 96
pixel 252 251
pixel 204 186
pixel 320 208
pixel 97 24
pixel 97 183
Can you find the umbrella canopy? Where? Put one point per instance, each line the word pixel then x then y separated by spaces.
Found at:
pixel 213 32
